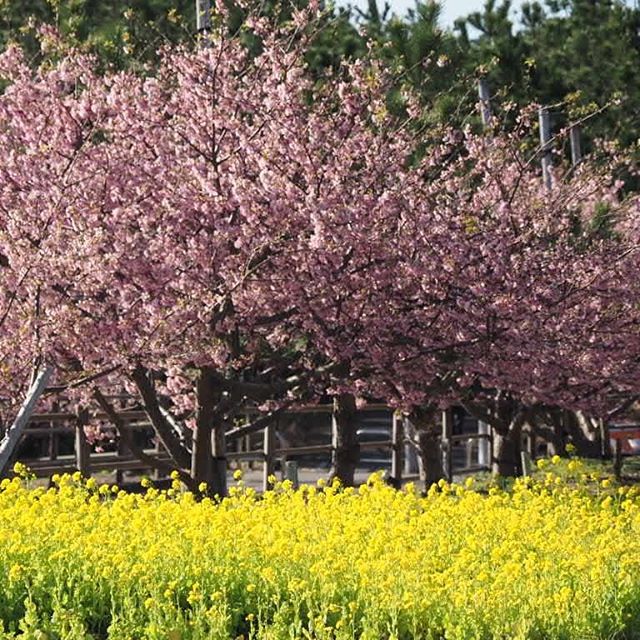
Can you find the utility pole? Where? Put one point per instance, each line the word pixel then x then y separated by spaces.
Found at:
pixel 576 146
pixel 544 120
pixel 203 17
pixel 485 101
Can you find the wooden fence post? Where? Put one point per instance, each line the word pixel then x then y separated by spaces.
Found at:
pixel 397 449
pixel 269 449
pixel 447 431
pixel 83 451
pixel 54 443
pixel 410 455
pixel 291 472
pixel 469 452
pixel 484 445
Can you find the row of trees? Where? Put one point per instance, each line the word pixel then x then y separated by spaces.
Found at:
pixel 230 228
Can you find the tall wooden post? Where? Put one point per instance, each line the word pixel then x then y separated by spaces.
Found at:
pixel 484 445
pixel 410 455
pixel 54 442
pixel 291 472
pixel 544 120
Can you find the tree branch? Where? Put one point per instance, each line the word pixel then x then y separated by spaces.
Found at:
pixel 161 425
pixel 137 451
pixel 258 424
pixel 81 381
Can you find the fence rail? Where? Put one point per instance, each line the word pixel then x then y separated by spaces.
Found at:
pixel 461 452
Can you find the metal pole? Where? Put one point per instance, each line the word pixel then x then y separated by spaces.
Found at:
pixel 485 101
pixel 545 145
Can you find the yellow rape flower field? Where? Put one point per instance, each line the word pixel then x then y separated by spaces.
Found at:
pixel 554 559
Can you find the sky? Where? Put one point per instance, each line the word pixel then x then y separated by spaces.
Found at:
pixel 451 9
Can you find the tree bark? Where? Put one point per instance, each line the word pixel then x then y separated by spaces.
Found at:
pixel 130 443
pixel 162 427
pixel 346 449
pixel 507 416
pixel 427 438
pixel 208 437
pixel 506 452
pixel 586 434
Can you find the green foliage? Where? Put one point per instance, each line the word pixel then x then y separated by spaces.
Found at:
pixel 582 57
pixel 118 32
pixel 578 56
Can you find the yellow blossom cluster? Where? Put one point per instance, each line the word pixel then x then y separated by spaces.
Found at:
pixel 541 560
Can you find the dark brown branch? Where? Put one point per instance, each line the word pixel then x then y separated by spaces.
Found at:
pixel 622 407
pixel 127 439
pixel 161 425
pixel 258 424
pixel 81 381
pixel 480 412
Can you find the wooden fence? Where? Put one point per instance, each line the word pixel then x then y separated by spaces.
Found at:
pixel 462 453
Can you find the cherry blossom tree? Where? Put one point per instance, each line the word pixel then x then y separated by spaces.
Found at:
pixel 228 230
pixel 162 228
pixel 535 304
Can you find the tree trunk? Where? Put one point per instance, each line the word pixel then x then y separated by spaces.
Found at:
pixel 208 438
pixel 346 449
pixel 586 434
pixel 427 439
pixel 506 451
